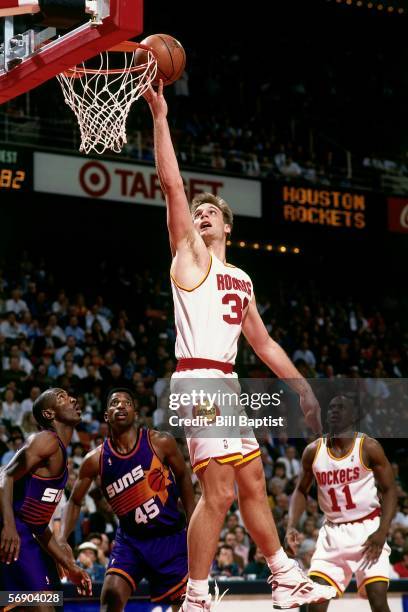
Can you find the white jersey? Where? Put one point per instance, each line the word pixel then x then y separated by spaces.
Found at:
pixel 209 317
pixel 346 487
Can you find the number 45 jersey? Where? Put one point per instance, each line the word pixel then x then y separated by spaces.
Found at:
pixel 346 486
pixel 209 316
pixel 141 490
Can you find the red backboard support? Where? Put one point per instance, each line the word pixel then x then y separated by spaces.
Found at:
pixel 125 21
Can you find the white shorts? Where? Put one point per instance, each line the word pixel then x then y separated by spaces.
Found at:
pixel 339 555
pixel 226 444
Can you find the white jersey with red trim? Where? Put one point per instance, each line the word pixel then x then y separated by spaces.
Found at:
pixel 346 487
pixel 209 317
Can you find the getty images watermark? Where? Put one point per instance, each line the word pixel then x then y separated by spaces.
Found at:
pixel 207 406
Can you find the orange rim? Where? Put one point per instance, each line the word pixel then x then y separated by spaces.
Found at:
pixel 127 46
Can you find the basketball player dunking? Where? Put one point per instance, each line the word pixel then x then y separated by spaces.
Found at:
pixel 142 474
pixel 347 465
pixel 31 487
pixel 209 319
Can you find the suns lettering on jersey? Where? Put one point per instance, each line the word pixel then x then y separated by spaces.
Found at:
pixel 52 495
pixel 125 481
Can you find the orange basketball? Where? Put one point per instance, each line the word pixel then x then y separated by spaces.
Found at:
pixel 171 57
pixel 157 480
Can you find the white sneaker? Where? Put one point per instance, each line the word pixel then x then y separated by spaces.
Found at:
pixel 193 604
pixel 292 588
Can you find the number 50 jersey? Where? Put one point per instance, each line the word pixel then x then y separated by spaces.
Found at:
pixel 141 490
pixel 209 316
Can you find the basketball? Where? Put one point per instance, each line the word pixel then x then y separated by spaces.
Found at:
pixel 157 480
pixel 171 57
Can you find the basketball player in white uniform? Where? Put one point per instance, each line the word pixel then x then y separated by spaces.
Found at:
pixel 213 303
pixel 348 467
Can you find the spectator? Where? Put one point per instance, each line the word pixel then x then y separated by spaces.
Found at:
pixel 402 566
pixel 291 463
pixel 87 559
pixel 398 543
pixel 305 354
pixel 15 443
pixel 241 546
pixel 257 566
pixel 10 328
pixel 224 563
pixel 15 303
pixel 231 540
pixel 27 404
pixel 11 409
pixel 401 518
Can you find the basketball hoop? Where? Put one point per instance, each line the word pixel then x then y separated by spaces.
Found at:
pixel 101 96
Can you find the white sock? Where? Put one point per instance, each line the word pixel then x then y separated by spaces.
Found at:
pixel 197 588
pixel 279 561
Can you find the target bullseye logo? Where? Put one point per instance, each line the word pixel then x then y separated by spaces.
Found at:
pixel 94 179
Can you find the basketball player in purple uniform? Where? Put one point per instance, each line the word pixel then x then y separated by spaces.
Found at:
pixel 30 489
pixel 143 474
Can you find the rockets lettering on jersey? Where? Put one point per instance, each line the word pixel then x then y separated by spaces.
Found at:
pixel 141 490
pixel 35 498
pixel 346 487
pixel 209 317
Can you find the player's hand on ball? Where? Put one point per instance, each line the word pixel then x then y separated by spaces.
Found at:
pixel 156 101
pixel 80 578
pixel 373 546
pixel 311 409
pixel 292 540
pixel 9 544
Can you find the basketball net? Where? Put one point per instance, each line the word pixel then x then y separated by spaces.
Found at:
pixel 101 97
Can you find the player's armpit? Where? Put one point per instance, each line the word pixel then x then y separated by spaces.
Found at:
pixel 191 263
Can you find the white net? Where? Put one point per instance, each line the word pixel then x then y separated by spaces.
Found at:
pixel 101 98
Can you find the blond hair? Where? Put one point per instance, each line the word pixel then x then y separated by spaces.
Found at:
pixel 210 198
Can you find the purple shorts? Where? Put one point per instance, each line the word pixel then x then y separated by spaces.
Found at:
pixel 34 570
pixel 161 560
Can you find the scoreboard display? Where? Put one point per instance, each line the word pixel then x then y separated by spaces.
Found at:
pixel 16 169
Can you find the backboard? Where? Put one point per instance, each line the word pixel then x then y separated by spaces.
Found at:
pixel 40 53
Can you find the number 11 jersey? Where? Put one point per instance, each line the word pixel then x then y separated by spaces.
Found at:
pixel 209 316
pixel 346 486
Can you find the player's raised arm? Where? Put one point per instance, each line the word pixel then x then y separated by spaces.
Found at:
pixel 375 459
pixel 298 499
pixel 277 360
pixel 31 456
pixel 88 471
pixel 179 222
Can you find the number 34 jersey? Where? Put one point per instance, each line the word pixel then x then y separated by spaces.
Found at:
pixel 346 486
pixel 209 316
pixel 141 490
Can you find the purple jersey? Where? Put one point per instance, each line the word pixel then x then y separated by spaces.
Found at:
pixel 35 498
pixel 141 490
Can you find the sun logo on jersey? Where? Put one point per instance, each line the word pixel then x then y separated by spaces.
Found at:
pixel 158 479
